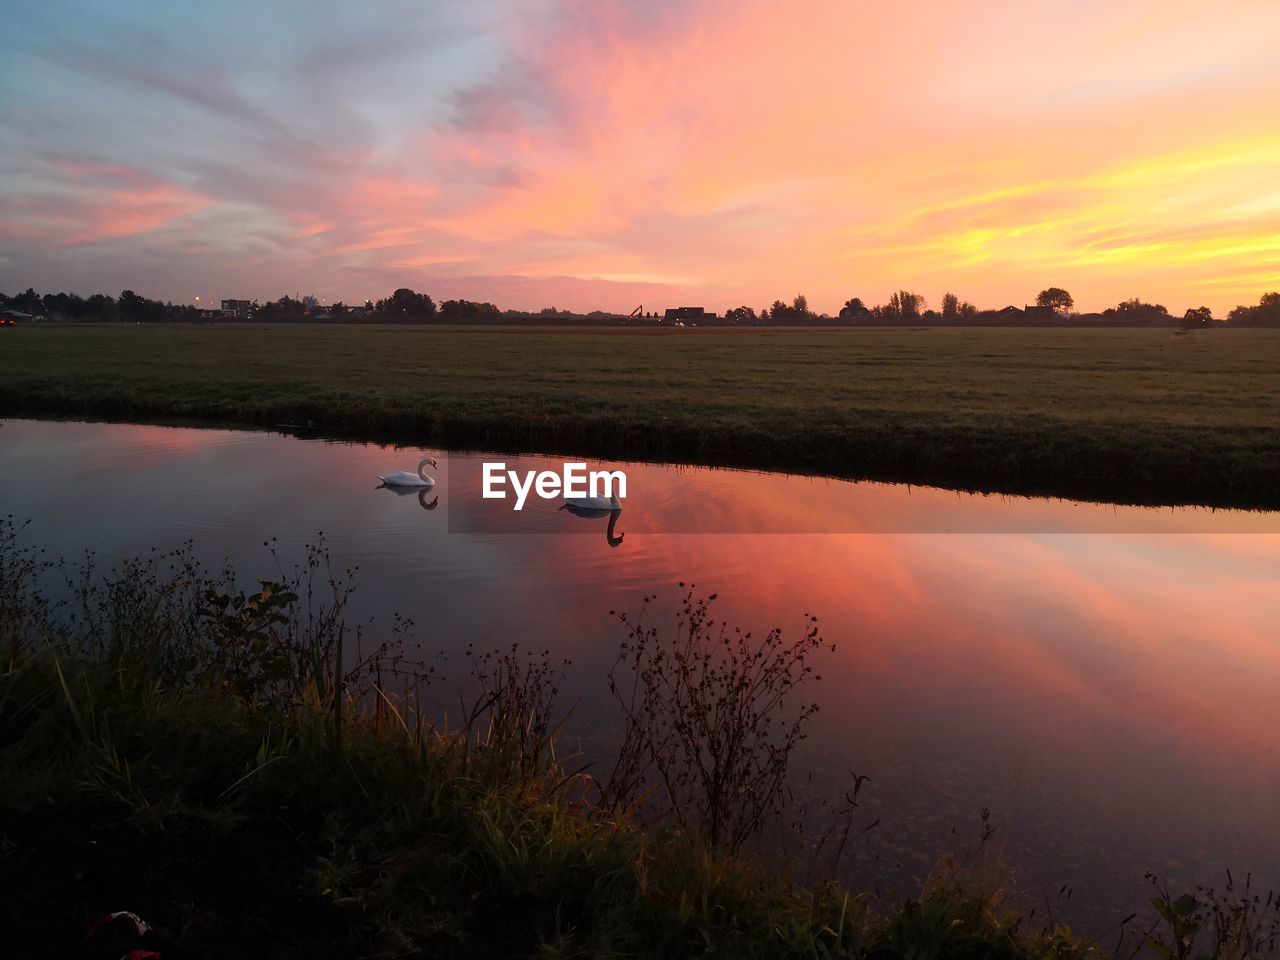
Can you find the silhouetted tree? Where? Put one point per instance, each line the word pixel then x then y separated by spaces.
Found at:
pixel 28 302
pixel 1197 317
pixel 950 307
pixel 130 305
pixel 1056 299
pixel 101 307
pixel 903 306
pixel 458 310
pixel 286 308
pixel 1265 314
pixel 797 312
pixel 133 308
pixel 405 304
pixel 740 316
pixel 1136 312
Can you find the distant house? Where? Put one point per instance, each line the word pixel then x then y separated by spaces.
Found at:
pixel 1033 312
pixel 1010 313
pixel 687 315
pixel 239 309
pixel 854 313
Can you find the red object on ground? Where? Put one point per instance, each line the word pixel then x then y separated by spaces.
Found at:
pixel 115 924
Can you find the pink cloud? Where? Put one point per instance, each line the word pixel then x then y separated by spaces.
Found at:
pixel 732 153
pixel 87 202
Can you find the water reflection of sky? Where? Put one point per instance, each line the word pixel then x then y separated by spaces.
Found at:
pixel 1112 697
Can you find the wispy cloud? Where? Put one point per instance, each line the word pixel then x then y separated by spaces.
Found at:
pixel 596 153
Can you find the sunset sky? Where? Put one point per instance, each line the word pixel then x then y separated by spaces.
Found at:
pixel 607 154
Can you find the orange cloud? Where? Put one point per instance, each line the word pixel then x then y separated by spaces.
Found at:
pixel 721 152
pixel 846 152
pixel 93 202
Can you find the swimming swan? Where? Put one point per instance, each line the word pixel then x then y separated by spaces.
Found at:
pixel 603 504
pixel 403 478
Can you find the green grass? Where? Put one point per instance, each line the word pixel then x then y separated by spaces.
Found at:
pixel 1145 416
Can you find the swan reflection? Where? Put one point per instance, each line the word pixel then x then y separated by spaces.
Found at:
pixel 422 492
pixel 594 508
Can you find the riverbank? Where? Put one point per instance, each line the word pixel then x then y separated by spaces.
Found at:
pixel 231 770
pixel 238 833
pixel 1132 416
pixel 250 773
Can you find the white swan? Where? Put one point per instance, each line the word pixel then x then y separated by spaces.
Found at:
pixel 403 478
pixel 592 504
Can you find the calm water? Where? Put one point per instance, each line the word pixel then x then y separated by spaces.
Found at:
pixel 1111 695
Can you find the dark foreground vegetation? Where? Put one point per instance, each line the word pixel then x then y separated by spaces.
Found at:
pixel 195 755
pixel 1135 416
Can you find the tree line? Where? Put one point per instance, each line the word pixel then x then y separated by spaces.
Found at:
pixel 1053 306
pixel 403 305
pixel 130 307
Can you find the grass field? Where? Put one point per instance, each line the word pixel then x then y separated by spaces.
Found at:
pixel 1145 416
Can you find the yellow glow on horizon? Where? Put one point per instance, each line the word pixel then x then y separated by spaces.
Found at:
pixel 736 151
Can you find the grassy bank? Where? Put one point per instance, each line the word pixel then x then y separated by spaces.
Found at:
pixel 234 769
pixel 231 768
pixel 252 833
pixel 1144 416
